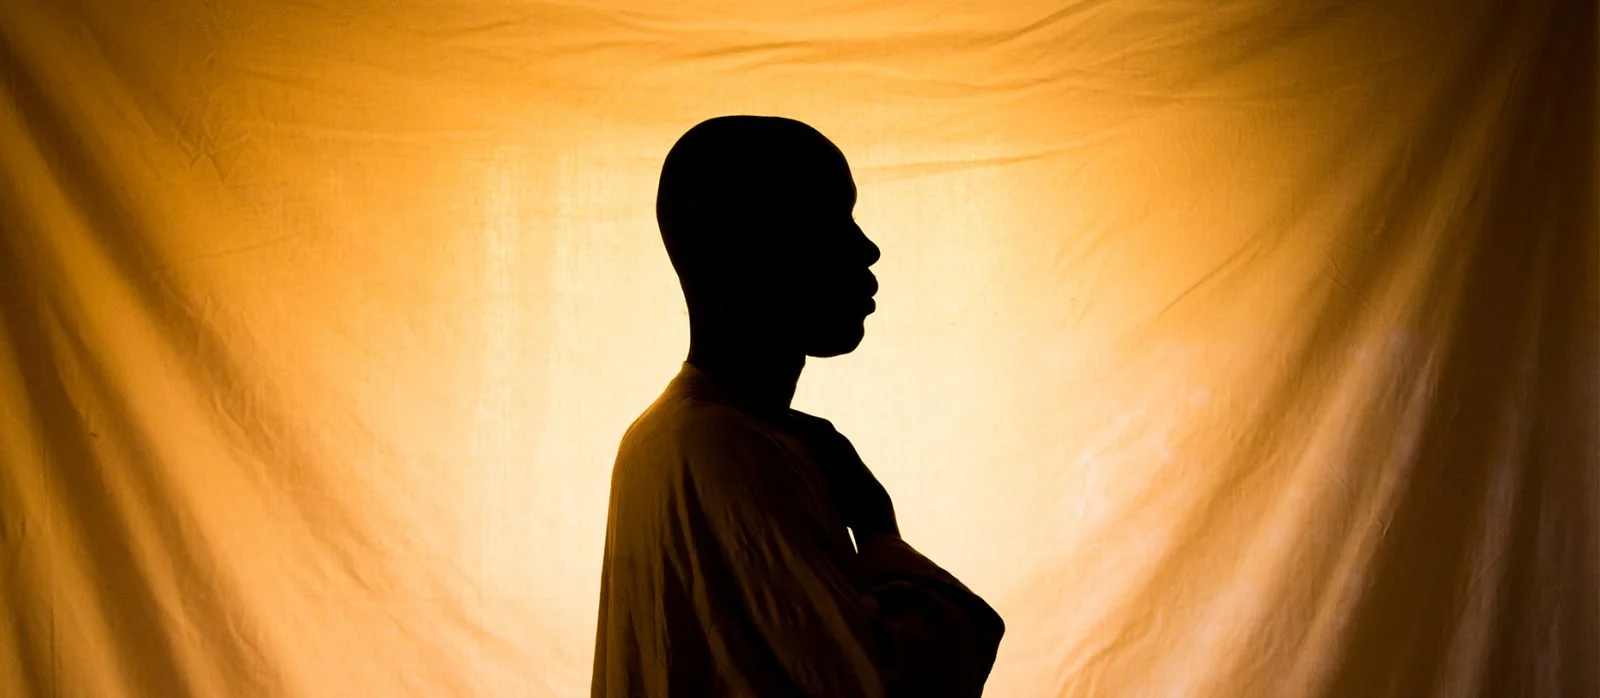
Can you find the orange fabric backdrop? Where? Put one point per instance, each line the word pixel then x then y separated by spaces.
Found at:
pixel 1229 349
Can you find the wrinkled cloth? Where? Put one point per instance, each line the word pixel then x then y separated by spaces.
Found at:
pixel 1256 344
pixel 729 572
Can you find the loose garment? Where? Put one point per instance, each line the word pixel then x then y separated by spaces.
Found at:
pixel 730 572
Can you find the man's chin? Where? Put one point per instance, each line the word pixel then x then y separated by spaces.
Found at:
pixel 839 345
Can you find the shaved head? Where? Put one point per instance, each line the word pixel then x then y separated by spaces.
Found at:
pixel 756 216
pixel 729 179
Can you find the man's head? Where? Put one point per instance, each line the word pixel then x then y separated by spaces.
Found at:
pixel 756 214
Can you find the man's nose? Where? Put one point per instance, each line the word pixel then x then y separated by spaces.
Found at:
pixel 869 248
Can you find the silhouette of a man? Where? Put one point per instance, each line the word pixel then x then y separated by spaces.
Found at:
pixel 728 569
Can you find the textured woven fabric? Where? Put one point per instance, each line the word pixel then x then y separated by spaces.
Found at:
pixel 1227 349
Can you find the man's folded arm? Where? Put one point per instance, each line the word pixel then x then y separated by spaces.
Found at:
pixel 885 561
pixel 804 625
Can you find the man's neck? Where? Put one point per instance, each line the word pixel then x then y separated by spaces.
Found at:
pixel 763 381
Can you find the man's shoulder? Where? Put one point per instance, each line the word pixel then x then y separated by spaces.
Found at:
pixel 680 426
